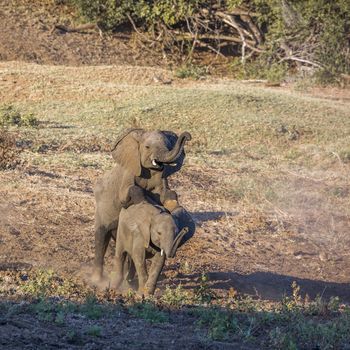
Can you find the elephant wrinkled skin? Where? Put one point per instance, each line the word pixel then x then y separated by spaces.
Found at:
pixel 145 232
pixel 144 160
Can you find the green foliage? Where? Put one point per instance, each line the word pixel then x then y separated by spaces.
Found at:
pixel 330 20
pixel 74 337
pixel 149 312
pixel 94 331
pixel 311 334
pixel 311 30
pixel 10 116
pixel 92 309
pixel 204 294
pixel 176 297
pixel 49 311
pixel 110 13
pixel 219 323
pixel 293 332
pixel 46 283
pixel 259 68
pixel 40 285
pixel 190 71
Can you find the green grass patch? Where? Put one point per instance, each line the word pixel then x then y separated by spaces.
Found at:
pixel 149 312
pixel 94 331
pixel 190 71
pixel 11 116
pixel 295 322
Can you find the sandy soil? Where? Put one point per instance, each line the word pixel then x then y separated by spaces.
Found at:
pixel 47 208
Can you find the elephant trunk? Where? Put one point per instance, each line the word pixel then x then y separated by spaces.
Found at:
pixel 166 247
pixel 173 154
pixel 177 241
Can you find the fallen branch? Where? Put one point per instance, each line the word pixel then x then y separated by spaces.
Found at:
pixel 254 28
pixel 186 36
pixel 80 29
pixel 136 30
pixel 297 59
pixel 230 20
pixel 218 53
pixel 254 81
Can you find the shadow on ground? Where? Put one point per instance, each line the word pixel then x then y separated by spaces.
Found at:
pixel 204 216
pixel 270 286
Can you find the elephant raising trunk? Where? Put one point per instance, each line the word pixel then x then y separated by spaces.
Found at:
pixel 177 241
pixel 175 153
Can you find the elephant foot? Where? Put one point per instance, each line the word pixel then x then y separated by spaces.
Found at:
pixel 114 281
pixel 97 276
pixel 149 290
pixel 144 293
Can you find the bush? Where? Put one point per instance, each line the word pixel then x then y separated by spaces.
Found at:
pixel 190 71
pixel 109 14
pixel 176 297
pixel 279 34
pixel 9 153
pixel 10 116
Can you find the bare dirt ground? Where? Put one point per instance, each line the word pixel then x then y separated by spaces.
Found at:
pixel 28 33
pixel 265 216
pixel 50 197
pixel 266 180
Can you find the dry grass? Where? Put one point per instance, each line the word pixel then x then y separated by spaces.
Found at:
pixel 266 180
pixel 266 175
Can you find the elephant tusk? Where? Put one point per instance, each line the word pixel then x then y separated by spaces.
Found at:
pixel 161 252
pixel 154 162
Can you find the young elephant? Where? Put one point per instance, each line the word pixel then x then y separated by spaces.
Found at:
pixel 144 161
pixel 145 231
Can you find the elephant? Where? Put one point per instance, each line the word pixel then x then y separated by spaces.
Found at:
pixel 145 231
pixel 144 161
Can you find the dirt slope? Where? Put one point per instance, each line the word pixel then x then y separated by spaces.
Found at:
pixel 28 33
pixel 81 111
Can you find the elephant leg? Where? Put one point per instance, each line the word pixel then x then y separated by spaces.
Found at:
pixel 129 269
pixel 154 272
pixel 140 266
pixel 118 273
pixel 102 238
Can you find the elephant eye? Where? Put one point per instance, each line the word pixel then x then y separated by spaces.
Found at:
pixel 147 147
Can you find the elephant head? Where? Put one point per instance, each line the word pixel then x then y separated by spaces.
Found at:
pixel 156 150
pixel 163 234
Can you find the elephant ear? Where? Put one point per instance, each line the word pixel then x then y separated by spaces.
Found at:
pixel 171 139
pixel 139 225
pixel 125 150
pixel 145 229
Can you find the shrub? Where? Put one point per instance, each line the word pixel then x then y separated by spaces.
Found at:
pixel 109 14
pixel 279 34
pixel 94 331
pixel 176 297
pixel 190 71
pixel 149 312
pixel 10 116
pixel 9 153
